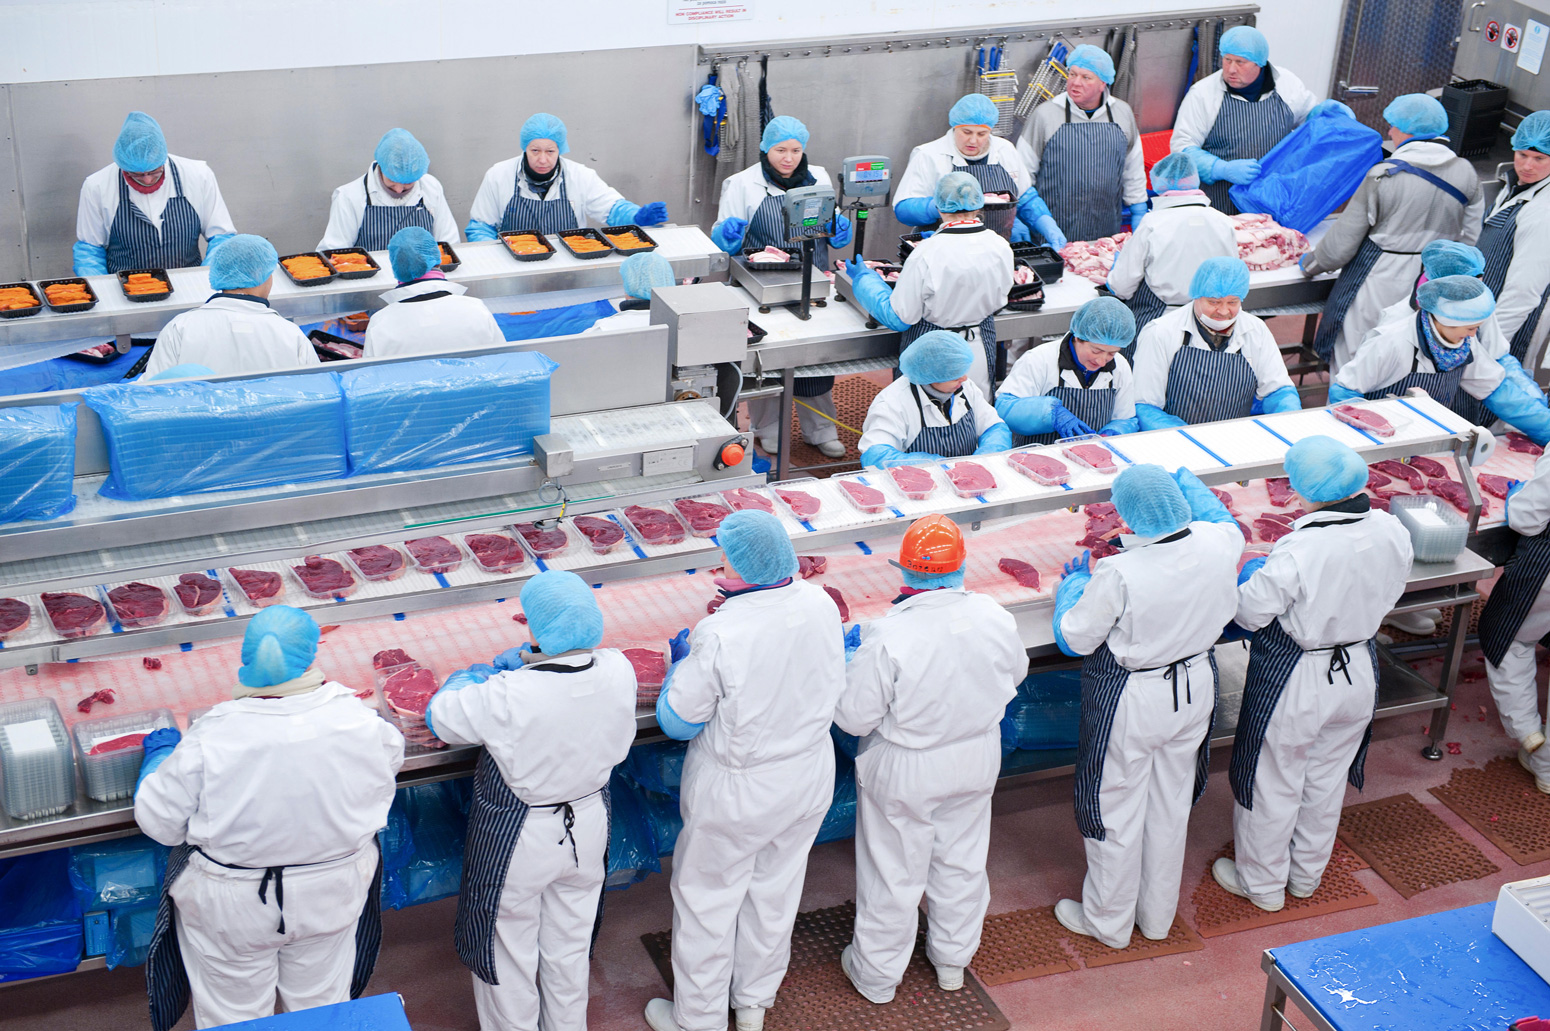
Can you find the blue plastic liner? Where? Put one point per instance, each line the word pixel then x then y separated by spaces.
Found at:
pixel 840 821
pixel 1046 713
pixel 632 850
pixel 40 921
pixel 657 767
pixel 438 824
pixel 190 437
pixel 37 462
pixel 1312 171
pixel 131 935
pixel 445 411
pixel 666 821
pixel 121 872
pixel 552 322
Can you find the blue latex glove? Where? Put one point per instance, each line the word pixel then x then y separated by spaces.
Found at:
pixel 1282 399
pixel 996 438
pixel 90 260
pixel 1517 402
pixel 622 213
pixel 708 100
pixel 1203 505
pixel 214 242
pixel 1119 427
pixel 882 456
pixel 843 231
pixel 158 745
pixel 481 671
pixel 1153 418
pixel 513 658
pixel 873 294
pixel 1512 489
pixel 477 230
pixel 728 234
pixel 1031 208
pixel 916 211
pixel 1051 232
pixel 1513 366
pixel 1207 164
pixel 1234 632
pixel 1251 567
pixel 1302 264
pixel 652 214
pixel 458 680
pixel 1241 171
pixel 1072 585
pixel 1029 416
pixel 672 724
pixel 852 641
pixel 1340 395
pixel 1330 107
pixel 678 646
pixel 1068 425
pixel 1137 213
pixel 1020 233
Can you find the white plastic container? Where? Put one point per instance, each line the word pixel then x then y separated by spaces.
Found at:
pixel 916 482
pixel 514 555
pixel 865 484
pixel 968 491
pixel 1522 921
pixel 118 598
pixel 37 768
pixel 544 542
pixel 1437 531
pixel 259 584
pixel 111 775
pixel 687 509
pixel 429 556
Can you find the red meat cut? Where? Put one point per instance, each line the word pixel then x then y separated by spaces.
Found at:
pixel 118 744
pixel 105 696
pixel 917 484
pixel 387 658
pixel 1271 530
pixel 1051 472
pixel 603 534
pixel 1020 571
pixel 1518 442
pixel 1243 528
pixel 1431 467
pixel 1376 479
pixel 1224 497
pixel 744 500
pixel 1363 419
pixel 138 604
pixel 811 565
pixel 802 504
pixel 714 604
pixel 15 614
pixel 1489 482
pixel 495 552
pixel 654 525
pixel 1099 546
pixel 434 554
pixel 1103 520
pixel 260 585
pixel 544 543
pixel 970 478
pixel 1280 490
pixel 197 592
pixel 151 663
pixel 1400 471
pixel 867 499
pixel 1454 494
pixel 1284 518
pixel 1099 459
pixel 704 517
pixel 650 666
pixel 378 562
pixel 839 599
pixel 324 577
pixel 410 689
pixel 1380 501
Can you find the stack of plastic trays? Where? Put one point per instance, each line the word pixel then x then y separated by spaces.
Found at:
pixel 37 771
pixel 111 772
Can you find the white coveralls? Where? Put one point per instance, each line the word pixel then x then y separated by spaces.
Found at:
pixel 431 326
pixel 229 334
pixel 895 419
pixel 263 782
pixel 926 692
pixel 1180 233
pixel 1391 351
pixel 1515 684
pixel 763 674
pixel 347 207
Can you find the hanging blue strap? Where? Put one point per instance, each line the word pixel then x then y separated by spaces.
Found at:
pixel 1437 181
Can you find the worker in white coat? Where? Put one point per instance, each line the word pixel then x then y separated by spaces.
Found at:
pixel 1516 236
pixel 641 273
pixel 539 191
pixel 1232 118
pixel 1145 622
pixel 927 703
pixel 754 694
pixel 396 192
pixel 271 804
pixel 1424 192
pixel 932 411
pixel 235 330
pixel 1083 149
pixel 957 279
pixel 1153 269
pixel 425 313
pixel 148 209
pixel 1210 360
pixel 1068 386
pixel 553 722
pixel 1312 678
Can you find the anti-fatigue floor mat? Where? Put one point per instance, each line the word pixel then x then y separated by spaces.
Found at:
pixel 852 397
pixel 1029 943
pixel 1410 846
pixel 1218 912
pixel 1500 801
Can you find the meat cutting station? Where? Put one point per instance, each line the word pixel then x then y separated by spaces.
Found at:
pixel 853 518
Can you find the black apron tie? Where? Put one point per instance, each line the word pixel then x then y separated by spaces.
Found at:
pixel 570 821
pixel 1172 676
pixel 1339 662
pixel 278 873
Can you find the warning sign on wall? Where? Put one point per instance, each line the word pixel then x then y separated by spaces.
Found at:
pixel 1512 38
pixel 694 12
pixel 1493 31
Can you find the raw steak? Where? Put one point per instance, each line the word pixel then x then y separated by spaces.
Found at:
pixel 603 534
pixel 378 562
pixel 1518 442
pixel 744 500
pixel 260 585
pixel 1280 490
pixel 324 577
pixel 703 517
pixel 434 554
pixel 1375 479
pixel 867 499
pixel 1103 520
pixel 650 666
pixel 970 478
pixel 1284 518
pixel 714 604
pixel 917 484
pixel 15 614
pixel 1099 546
pixel 1092 259
pixel 1099 459
pixel 1399 470
pixel 121 743
pixel 1489 482
pixel 810 566
pixel 839 599
pixel 1454 494
pixel 1020 571
pixel 1264 244
pixel 802 505
pixel 1243 528
pixel 1363 419
pixel 1222 496
pixel 654 525
pixel 1043 469
pixel 151 663
pixel 105 696
pixel 408 692
pixel 1271 530
pixel 197 592
pixel 1431 467
pixel 387 658
pixel 1380 501
pixel 138 604
pixel 773 255
pixel 544 543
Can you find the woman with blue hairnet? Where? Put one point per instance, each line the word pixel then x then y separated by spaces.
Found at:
pixel 1424 192
pixel 641 273
pixel 1313 672
pixel 750 218
pixel 271 803
pixel 396 192
pixel 1069 386
pixel 1516 236
pixel 933 410
pixel 235 330
pixel 425 313
pixel 1233 117
pixel 753 694
pixel 540 191
pixel 1145 622
pixel 147 209
pixel 1083 148
pixel 553 722
pixel 1210 360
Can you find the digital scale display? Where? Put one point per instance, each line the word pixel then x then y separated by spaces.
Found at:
pixel 869 174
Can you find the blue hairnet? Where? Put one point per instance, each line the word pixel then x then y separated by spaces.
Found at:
pixel 1220 277
pixel 279 644
pixel 188 370
pixel 973 109
pixel 643 273
pixel 1095 60
pixel 1247 42
pixel 931 581
pixel 1323 469
pixel 413 252
pixel 1533 133
pixel 1149 499
pixel 1417 114
pixel 757 547
pixel 781 129
pixel 242 261
pixel 1446 258
pixel 1177 171
pixel 562 612
pixel 140 146
pixel 544 127
pixel 958 191
pixel 936 357
pixel 1104 320
pixel 401 157
pixel 1456 300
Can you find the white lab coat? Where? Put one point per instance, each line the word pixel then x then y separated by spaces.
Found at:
pixel 763 674
pixel 1529 273
pixel 743 192
pixel 1180 233
pixel 1328 585
pixel 630 318
pixel 591 198
pixel 295 781
pixel 99 201
pixel 1038 372
pixel 1133 603
pixel 1164 335
pixel 230 334
pixel 1049 116
pixel 1387 352
pixel 348 207
pixel 926 691
pixel 441 324
pixel 930 161
pixel 1515 683
pixel 1200 106
pixel 895 419
pixel 556 737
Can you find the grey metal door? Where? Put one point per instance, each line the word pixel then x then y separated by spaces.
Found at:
pixel 1481 56
pixel 1390 47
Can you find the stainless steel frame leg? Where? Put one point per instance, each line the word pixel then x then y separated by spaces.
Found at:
pixel 1446 681
pixel 1275 1004
pixel 787 396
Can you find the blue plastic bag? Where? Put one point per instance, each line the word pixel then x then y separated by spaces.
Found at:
pixel 131 937
pixel 40 921
pixel 1046 714
pixel 438 824
pixel 121 872
pixel 847 745
pixel 657 767
pixel 632 850
pixel 840 821
pixel 1312 171
pixel 666 821
pixel 37 462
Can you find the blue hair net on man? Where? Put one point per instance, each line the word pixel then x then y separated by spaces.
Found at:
pixel 1149 499
pixel 757 547
pixel 1104 320
pixel 1220 277
pixel 1175 172
pixel 936 357
pixel 544 127
pixel 401 157
pixel 1247 42
pixel 1095 60
pixel 1322 469
pixel 958 191
pixel 1456 300
pixel 562 612
pixel 278 645
pixel 140 146
pixel 243 261
pixel 1442 258
pixel 1417 114
pixel 1533 133
pixel 973 109
pixel 643 273
pixel 781 129
pixel 413 252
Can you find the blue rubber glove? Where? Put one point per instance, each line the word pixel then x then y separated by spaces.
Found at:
pixel 1020 233
pixel 1512 489
pixel 1031 208
pixel 1251 567
pixel 1324 107
pixel 1234 632
pixel 1137 213
pixel 1029 416
pixel 1068 593
pixel 1340 395
pixel 843 231
pixel 728 234
pixel 708 100
pixel 1203 505
pixel 882 456
pixel 1302 265
pixel 458 680
pixel 873 294
pixel 1051 232
pixel 1515 367
pixel 158 745
pixel 652 214
pixel 477 230
pixel 90 260
pixel 1119 427
pixel 622 213
pixel 1241 171
pixel 1207 164
pixel 1282 399
pixel 1068 425
pixel 672 724
pixel 481 671
pixel 214 242
pixel 513 658
pixel 996 438
pixel 1153 418
pixel 916 211
pixel 852 641
pixel 1515 402
pixel 678 646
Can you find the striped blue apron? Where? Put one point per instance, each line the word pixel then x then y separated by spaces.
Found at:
pixel 1145 306
pixel 134 242
pixel 1442 386
pixel 1081 176
pixel 1209 386
pixel 1094 406
pixel 1514 595
pixel 1498 241
pixel 1245 129
pixel 531 215
pixel 379 221
pixel 992 178
pixel 1342 295
pixel 956 440
pixel 767 228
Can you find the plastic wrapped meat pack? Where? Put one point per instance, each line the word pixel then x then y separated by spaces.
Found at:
pixel 37 462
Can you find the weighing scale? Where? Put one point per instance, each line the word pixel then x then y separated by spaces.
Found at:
pixel 809 212
pixel 865 182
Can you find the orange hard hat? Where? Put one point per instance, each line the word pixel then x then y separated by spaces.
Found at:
pixel 932 545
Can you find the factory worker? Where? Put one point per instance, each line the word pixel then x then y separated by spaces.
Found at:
pixel 1516 236
pixel 933 410
pixel 754 695
pixel 552 730
pixel 926 691
pixel 1210 360
pixel 1232 118
pixel 1083 149
pixel 1153 269
pixel 235 330
pixel 426 314
pixel 750 217
pixel 541 192
pixel 272 803
pixel 957 280
pixel 1148 695
pixel 1068 386
pixel 396 192
pixel 147 209
pixel 642 273
pixel 1424 192
pixel 993 162
pixel 1312 678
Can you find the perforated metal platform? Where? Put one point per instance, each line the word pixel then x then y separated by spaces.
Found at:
pixel 1500 801
pixel 1217 912
pixel 1410 846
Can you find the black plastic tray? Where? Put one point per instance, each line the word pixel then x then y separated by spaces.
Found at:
pixel 756 333
pixel 591 234
pixel 65 309
pixel 159 273
pixel 316 281
pixel 367 274
pixel 770 266
pixel 651 244
pixel 1026 296
pixel 907 244
pixel 22 313
pixel 543 256
pixel 447 251
pixel 94 359
pixel 320 341
pixel 1046 261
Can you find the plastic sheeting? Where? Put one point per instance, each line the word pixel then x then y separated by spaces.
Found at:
pixel 37 462
pixel 1312 171
pixel 1046 713
pixel 121 872
pixel 553 322
pixel 40 920
pixel 632 850
pixel 131 933
pixel 438 823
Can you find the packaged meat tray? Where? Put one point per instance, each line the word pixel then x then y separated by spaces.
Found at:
pixel 308 268
pixel 434 554
pixel 352 263
pixel 798 497
pixel 37 768
pixel 405 689
pixel 527 246
pixel 145 284
pixel 258 587
pixel 970 479
pixel 744 500
pixel 110 750
pixel 1039 467
pixel 1094 456
pixel 16 616
pixel 1364 419
pixel 138 604
pixel 602 533
pixel 325 578
pixel 629 239
pixel 860 493
pixel 585 243
pixel 547 541
pixel 915 482
pixel 65 296
pixel 650 665
pixel 73 614
pixel 378 562
pixel 651 525
pixel 495 552
pixel 703 515
pixel 198 594
pixel 449 259
pixel 773 259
